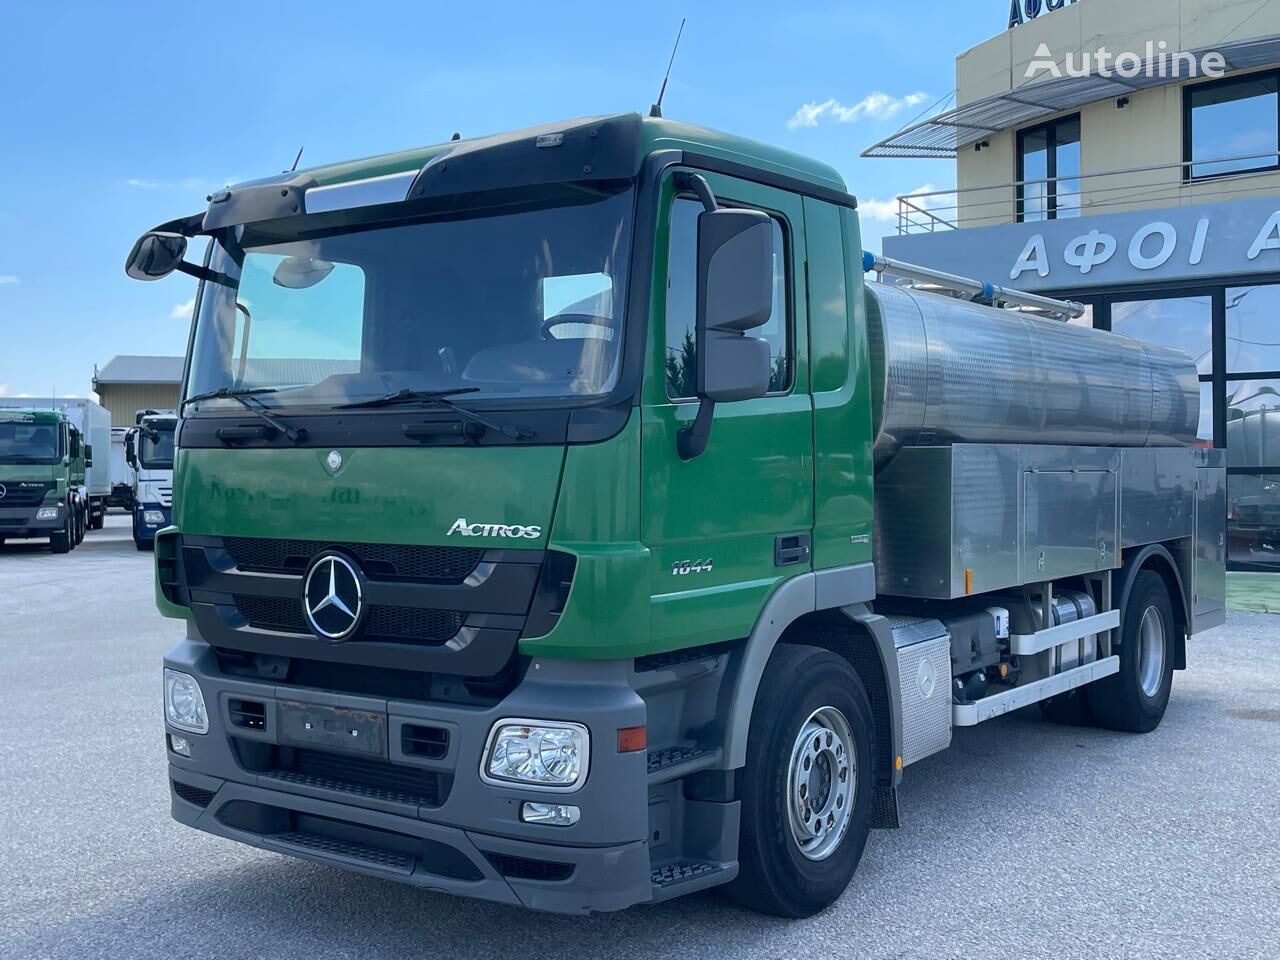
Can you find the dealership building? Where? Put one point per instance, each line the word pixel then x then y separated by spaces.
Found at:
pixel 1127 155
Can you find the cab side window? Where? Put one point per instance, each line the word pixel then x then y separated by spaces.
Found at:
pixel 681 342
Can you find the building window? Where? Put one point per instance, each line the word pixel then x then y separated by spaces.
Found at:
pixel 1049 170
pixel 1184 323
pixel 1253 338
pixel 1231 126
pixel 682 264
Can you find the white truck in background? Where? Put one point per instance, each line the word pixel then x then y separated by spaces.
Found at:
pixel 94 423
pixel 123 475
pixel 149 449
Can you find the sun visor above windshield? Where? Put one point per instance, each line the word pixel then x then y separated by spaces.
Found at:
pixel 592 149
pixel 255 202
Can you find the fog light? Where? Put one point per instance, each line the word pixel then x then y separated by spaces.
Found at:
pixel 179 745
pixel 549 754
pixel 555 814
pixel 48 513
pixel 184 703
pixel 152 518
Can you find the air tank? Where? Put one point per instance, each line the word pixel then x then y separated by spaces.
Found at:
pixel 945 370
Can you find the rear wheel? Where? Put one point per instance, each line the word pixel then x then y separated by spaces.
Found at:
pixel 807 786
pixel 1135 698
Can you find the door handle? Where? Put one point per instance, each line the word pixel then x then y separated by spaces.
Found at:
pixel 789 548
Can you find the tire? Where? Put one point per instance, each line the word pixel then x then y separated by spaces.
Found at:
pixel 804 688
pixel 1134 699
pixel 62 541
pixel 82 523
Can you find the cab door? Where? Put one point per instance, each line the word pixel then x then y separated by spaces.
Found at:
pixel 724 528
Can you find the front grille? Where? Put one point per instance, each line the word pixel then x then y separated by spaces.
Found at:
pixel 385 623
pixel 413 623
pixel 272 613
pixel 380 561
pixel 358 776
pixel 201 798
pixel 24 496
pixel 348 850
pixel 523 868
pixel 166 496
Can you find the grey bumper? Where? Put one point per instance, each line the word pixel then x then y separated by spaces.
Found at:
pixel 465 839
pixel 22 522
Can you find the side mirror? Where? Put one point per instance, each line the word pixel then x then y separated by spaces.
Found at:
pixel 130 450
pixel 88 455
pixel 735 295
pixel 155 255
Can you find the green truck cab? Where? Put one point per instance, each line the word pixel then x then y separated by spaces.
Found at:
pixel 526 531
pixel 43 460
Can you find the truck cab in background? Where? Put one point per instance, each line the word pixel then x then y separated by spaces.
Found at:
pixel 43 459
pixel 149 454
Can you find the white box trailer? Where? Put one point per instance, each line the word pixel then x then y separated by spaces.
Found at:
pixel 94 423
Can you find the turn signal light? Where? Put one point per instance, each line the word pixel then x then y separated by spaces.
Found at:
pixel 632 739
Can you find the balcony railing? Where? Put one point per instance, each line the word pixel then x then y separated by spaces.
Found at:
pixel 1157 185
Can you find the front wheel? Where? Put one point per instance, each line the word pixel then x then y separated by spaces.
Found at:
pixel 64 539
pixel 807 786
pixel 1135 698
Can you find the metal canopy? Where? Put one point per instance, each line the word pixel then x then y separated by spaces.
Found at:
pixel 944 134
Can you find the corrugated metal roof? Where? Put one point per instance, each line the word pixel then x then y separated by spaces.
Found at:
pixel 139 369
pixel 944 134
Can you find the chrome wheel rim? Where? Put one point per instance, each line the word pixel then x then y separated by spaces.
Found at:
pixel 822 783
pixel 1151 651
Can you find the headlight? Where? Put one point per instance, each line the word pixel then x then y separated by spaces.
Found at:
pixel 48 513
pixel 152 517
pixel 184 703
pixel 538 753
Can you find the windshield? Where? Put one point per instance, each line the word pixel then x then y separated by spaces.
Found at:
pixel 156 446
pixel 30 443
pixel 522 303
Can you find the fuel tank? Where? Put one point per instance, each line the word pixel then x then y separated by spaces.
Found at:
pixel 947 371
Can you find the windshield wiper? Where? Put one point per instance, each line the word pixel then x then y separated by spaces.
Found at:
pixel 442 398
pixel 248 398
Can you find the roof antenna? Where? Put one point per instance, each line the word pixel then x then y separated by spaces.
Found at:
pixel 297 158
pixel 656 109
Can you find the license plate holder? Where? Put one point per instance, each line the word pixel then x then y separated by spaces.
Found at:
pixel 333 728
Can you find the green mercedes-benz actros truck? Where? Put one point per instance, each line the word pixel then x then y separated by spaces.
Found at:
pixel 43 460
pixel 562 519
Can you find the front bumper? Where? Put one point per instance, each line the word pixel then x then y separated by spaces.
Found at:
pixel 463 837
pixel 22 522
pixel 146 532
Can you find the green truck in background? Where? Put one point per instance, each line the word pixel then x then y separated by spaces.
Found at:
pixel 43 459
pixel 561 519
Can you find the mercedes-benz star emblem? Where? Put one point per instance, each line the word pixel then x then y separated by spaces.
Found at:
pixel 333 597
pixel 333 461
pixel 3 491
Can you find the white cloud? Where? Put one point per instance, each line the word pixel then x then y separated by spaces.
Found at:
pixel 877 106
pixel 3 389
pixel 182 311
pixel 887 210
pixel 7 278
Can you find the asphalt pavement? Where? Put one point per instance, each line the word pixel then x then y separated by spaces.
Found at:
pixel 1025 840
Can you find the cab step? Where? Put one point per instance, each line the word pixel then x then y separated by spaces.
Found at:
pixel 680 760
pixel 686 876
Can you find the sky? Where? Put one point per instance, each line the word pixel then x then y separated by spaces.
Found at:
pixel 113 120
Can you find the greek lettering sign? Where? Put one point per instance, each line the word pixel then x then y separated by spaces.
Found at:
pixel 1020 11
pixel 1221 239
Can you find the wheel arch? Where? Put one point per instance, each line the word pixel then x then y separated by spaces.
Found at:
pixel 828 610
pixel 1158 558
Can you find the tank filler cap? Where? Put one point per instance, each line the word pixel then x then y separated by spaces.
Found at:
pixel 868 261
